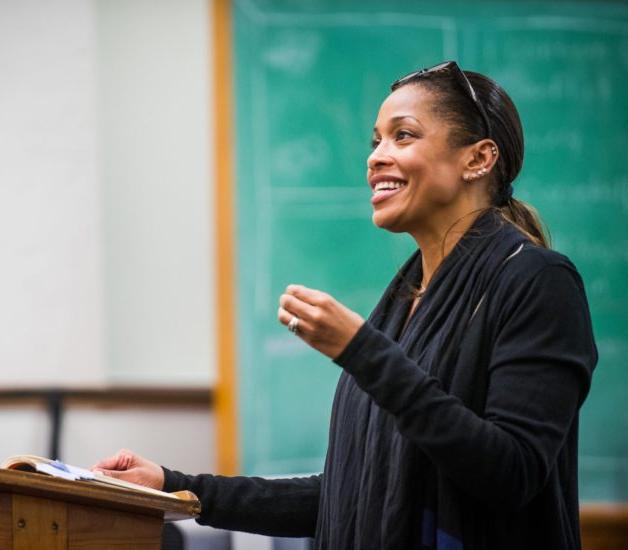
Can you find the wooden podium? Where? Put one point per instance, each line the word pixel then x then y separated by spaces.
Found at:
pixel 39 512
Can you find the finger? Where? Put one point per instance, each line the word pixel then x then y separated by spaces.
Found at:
pixel 122 460
pixel 309 295
pixel 296 306
pixel 285 317
pixel 111 463
pixel 112 473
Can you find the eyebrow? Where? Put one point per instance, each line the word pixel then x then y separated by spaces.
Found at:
pixel 399 118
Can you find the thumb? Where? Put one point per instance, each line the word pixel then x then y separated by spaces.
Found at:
pixel 118 474
pixel 120 461
pixel 107 463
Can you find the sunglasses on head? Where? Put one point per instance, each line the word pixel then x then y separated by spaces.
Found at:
pixel 450 67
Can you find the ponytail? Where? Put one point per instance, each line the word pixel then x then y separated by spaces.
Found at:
pixel 526 219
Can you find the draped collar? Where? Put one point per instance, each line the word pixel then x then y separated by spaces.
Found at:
pixel 454 292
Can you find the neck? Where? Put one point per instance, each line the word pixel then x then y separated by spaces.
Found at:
pixel 438 241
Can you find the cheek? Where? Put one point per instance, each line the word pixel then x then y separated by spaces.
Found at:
pixel 437 182
pixel 416 168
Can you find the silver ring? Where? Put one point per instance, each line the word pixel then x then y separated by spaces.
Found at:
pixel 293 325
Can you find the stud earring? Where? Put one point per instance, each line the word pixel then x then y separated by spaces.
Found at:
pixel 493 150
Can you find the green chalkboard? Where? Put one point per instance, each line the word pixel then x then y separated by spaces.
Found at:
pixel 310 76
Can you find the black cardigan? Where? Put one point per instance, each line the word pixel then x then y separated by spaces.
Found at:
pixel 467 440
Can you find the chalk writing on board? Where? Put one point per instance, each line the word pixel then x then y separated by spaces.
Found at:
pixel 538 49
pixel 591 192
pixel 293 52
pixel 557 85
pixel 570 139
pixel 293 160
pixel 319 193
pixel 590 248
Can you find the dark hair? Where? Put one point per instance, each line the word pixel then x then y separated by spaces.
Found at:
pixel 456 107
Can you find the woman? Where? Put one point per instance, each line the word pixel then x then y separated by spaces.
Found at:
pixel 455 420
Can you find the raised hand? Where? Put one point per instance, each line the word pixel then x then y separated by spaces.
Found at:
pixel 128 466
pixel 323 322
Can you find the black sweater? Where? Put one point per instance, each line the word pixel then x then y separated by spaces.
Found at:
pixel 415 459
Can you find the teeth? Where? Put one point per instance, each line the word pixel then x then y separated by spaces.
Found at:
pixel 387 186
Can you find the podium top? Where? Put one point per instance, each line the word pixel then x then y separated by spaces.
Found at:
pixel 96 494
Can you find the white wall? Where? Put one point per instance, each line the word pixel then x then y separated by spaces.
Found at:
pixel 154 90
pixel 24 430
pixel 180 439
pixel 105 195
pixel 51 271
pixel 105 219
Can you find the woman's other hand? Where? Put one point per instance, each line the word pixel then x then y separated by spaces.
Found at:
pixel 324 323
pixel 128 466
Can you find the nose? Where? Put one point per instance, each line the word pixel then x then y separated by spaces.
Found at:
pixel 379 157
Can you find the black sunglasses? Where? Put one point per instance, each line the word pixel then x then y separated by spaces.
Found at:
pixel 453 68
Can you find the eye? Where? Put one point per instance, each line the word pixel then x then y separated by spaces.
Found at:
pixel 404 134
pixel 375 142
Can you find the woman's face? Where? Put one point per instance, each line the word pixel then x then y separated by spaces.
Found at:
pixel 415 175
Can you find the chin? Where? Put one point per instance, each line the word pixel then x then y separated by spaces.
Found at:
pixel 385 222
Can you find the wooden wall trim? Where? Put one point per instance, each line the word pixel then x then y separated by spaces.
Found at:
pixel 227 459
pixel 604 526
pixel 110 397
pixel 56 401
pixel 602 514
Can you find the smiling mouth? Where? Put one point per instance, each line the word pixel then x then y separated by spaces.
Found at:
pixel 385 189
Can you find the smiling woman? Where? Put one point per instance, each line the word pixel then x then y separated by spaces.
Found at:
pixel 414 171
pixel 455 420
pixel 442 165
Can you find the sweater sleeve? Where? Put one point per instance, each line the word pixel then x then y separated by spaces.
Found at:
pixel 276 507
pixel 539 374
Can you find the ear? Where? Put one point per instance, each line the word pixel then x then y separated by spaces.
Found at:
pixel 480 160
